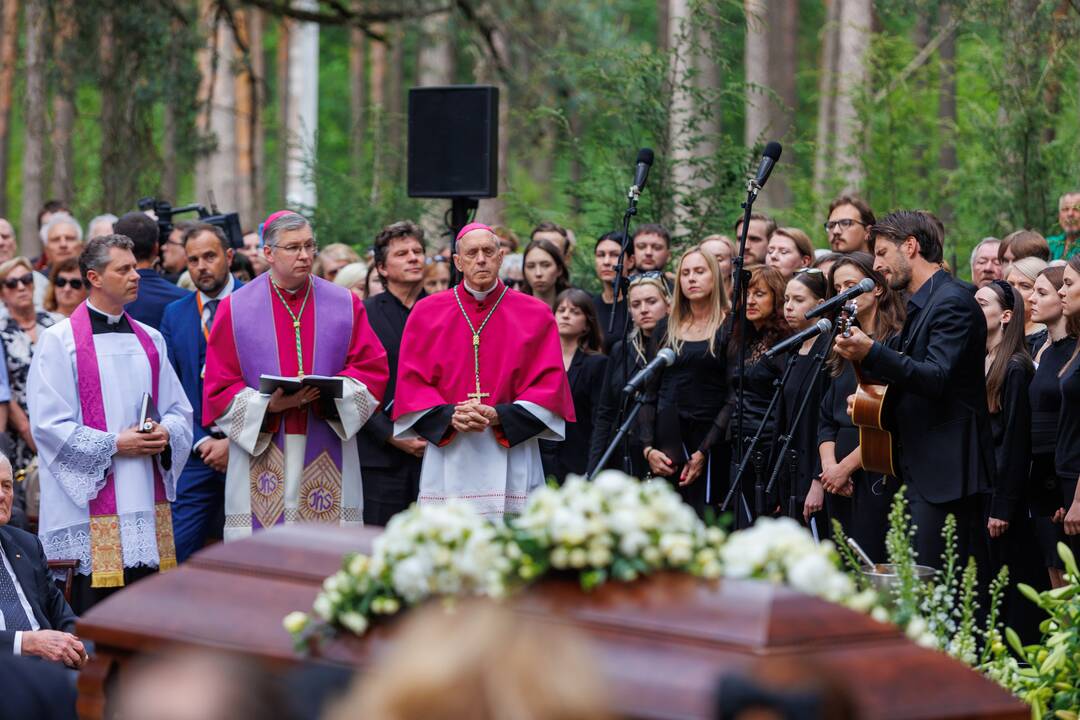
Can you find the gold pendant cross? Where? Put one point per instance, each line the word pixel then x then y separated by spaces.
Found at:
pixel 478 395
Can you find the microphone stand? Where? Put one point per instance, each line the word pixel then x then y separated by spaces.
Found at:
pixel 639 400
pixel 739 292
pixel 736 481
pixel 785 440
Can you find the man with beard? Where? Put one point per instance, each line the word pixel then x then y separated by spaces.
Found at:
pixel 848 225
pixel 199 509
pixel 1067 244
pixel 937 409
pixel 390 465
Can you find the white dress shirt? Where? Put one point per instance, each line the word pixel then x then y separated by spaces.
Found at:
pixel 17 645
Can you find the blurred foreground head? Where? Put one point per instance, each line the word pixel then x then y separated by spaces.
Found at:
pixel 197 685
pixel 479 662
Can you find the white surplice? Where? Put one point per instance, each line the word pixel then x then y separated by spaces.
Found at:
pixel 474 468
pixel 73 459
pixel 242 422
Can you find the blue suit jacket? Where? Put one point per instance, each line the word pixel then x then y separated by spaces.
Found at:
pixel 155 292
pixel 181 327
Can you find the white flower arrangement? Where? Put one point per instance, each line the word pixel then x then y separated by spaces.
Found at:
pixel 613 528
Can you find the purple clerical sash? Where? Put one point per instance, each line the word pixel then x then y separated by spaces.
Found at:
pixel 106 551
pixel 257 348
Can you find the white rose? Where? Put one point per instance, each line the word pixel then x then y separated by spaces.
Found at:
pixel 358 565
pixel 323 607
pixel 355 622
pixel 578 558
pixel 410 578
pixel 295 622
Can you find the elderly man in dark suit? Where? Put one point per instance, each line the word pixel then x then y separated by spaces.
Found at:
pixel 155 292
pixel 36 620
pixel 199 509
pixel 936 406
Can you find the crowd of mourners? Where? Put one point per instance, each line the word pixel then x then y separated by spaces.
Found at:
pixel 986 412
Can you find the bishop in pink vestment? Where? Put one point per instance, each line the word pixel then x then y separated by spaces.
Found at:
pixel 515 378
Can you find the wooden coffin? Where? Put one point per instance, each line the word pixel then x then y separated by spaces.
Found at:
pixel 663 641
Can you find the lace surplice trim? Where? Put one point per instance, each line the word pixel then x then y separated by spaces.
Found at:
pixel 82 462
pixel 137 536
pixel 239 412
pixel 180 443
pixel 362 401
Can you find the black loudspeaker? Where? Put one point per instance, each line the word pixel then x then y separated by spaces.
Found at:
pixel 454 141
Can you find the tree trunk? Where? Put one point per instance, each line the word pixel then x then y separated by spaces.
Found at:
pixel 856 20
pixel 493 210
pixel 9 37
pixel 303 90
pixel 285 28
pixel 435 62
pixel 357 99
pixel 256 25
pixel 170 171
pixel 395 80
pixel 947 161
pixel 680 128
pixel 64 50
pixel 34 138
pixel 663 19
pixel 826 116
pixel 377 115
pixel 215 172
pixel 246 119
pixel 770 58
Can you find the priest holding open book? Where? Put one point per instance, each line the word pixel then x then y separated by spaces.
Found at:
pixel 293 370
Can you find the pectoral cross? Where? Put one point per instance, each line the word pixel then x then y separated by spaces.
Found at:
pixel 478 395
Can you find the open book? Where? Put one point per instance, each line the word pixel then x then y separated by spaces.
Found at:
pixel 330 387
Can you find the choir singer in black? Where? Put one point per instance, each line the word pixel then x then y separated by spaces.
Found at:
pixel 934 369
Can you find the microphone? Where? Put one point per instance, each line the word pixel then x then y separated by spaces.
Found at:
pixel 835 303
pixel 769 158
pixel 663 358
pixel 641 173
pixel 823 325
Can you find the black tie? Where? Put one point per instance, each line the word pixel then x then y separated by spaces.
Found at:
pixel 211 309
pixel 14 614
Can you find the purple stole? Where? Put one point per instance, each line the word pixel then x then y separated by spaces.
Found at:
pixel 320 485
pixel 106 551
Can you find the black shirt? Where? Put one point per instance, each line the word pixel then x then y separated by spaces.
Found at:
pixel 99 323
pixel 1011 430
pixel 622 363
pixel 586 377
pixel 1067 453
pixel 604 311
pixel 803 435
pixel 1044 393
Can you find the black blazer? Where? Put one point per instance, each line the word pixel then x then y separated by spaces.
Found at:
pixel 27 559
pixel 586 376
pixel 387 318
pixel 937 394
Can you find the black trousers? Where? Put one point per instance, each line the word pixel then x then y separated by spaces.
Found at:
pixel 84 597
pixel 929 519
pixel 388 491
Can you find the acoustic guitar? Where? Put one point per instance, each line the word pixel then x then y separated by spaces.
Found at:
pixel 867 413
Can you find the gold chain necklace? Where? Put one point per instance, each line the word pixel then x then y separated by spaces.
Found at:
pixel 476 340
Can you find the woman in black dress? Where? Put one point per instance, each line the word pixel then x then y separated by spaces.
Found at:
pixel 649 302
pixel 582 341
pixel 1067 452
pixel 1009 525
pixel 680 438
pixel 1044 393
pixel 858 499
pixel 765 327
pixel 806 289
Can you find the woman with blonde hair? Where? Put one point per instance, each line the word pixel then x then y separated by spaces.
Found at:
pixel 482 663
pixel 332 258
pixel 1021 275
pixel 681 441
pixel 648 302
pixel 352 277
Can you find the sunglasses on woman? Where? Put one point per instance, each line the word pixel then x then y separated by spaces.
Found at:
pixel 12 283
pixel 75 283
pixel 647 275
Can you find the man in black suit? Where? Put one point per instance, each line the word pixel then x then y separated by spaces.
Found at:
pixel 936 405
pixel 391 467
pixel 36 620
pixel 155 292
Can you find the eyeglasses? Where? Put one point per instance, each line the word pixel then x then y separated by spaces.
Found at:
pixel 310 248
pixel 843 224
pixel 436 259
pixel 810 271
pixel 12 283
pixel 647 275
pixel 75 283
